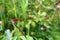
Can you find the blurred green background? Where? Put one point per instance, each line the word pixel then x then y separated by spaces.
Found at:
pixel 29 20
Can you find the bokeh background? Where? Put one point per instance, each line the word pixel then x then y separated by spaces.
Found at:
pixel 29 20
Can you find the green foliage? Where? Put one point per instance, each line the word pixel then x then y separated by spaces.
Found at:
pixel 29 20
